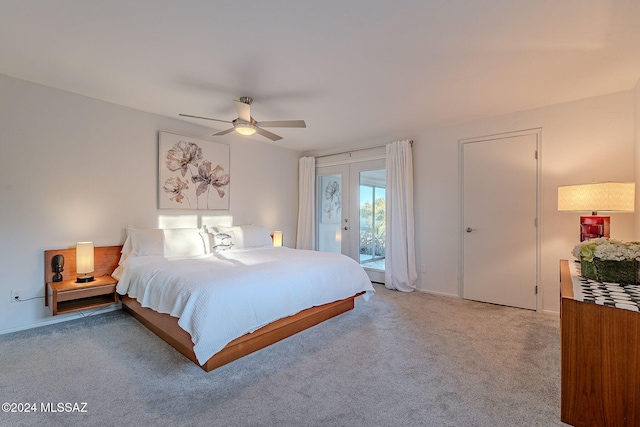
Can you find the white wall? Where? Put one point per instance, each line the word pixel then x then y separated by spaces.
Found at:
pixel 73 168
pixel 591 139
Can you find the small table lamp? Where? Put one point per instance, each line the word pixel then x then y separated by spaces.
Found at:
pixel 277 238
pixel 594 197
pixel 84 261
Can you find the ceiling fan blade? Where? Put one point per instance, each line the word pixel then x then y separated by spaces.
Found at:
pixel 266 133
pixel 205 118
pixel 244 111
pixel 283 124
pixel 224 132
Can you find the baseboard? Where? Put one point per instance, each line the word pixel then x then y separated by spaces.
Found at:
pixel 551 312
pixel 443 294
pixel 62 318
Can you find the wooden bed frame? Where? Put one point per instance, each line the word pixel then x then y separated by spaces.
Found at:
pixel 166 326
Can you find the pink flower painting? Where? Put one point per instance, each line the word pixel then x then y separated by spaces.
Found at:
pixel 193 173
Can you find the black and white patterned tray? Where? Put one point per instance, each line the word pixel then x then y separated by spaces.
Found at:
pixel 602 293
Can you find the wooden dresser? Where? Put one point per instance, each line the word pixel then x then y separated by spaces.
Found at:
pixel 600 350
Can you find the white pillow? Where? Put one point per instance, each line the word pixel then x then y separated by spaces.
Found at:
pixel 249 236
pixel 182 242
pixel 170 242
pixel 127 249
pixel 254 236
pixel 147 242
pixel 207 239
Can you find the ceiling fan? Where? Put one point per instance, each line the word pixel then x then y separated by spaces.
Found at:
pixel 247 125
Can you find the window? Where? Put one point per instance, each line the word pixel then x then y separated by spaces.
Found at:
pixel 372 219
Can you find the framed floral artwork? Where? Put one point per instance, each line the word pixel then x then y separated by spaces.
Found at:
pixel 192 173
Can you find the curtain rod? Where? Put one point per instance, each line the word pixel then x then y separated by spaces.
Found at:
pixel 356 150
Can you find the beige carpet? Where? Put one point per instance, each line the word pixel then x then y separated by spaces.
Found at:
pixel 397 360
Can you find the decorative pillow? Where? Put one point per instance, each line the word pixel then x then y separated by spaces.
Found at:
pixel 223 241
pixel 216 240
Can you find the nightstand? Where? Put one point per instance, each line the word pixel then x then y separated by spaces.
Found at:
pixel 68 295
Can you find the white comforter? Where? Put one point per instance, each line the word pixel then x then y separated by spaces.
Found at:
pixel 220 297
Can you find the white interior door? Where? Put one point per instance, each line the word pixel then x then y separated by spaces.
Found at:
pixel 500 188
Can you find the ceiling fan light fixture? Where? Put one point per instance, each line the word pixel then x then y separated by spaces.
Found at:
pixel 245 129
pixel 246 125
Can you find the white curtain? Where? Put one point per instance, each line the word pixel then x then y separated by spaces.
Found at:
pixel 400 259
pixel 306 203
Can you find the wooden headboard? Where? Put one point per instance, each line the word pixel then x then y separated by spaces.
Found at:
pixel 105 261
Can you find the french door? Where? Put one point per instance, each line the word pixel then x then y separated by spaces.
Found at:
pixel 332 220
pixel 351 213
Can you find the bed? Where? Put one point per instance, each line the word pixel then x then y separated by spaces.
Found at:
pixel 237 295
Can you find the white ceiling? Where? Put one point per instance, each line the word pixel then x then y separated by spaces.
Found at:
pixel 360 72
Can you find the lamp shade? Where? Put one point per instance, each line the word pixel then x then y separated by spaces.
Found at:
pixel 594 197
pixel 277 238
pixel 84 261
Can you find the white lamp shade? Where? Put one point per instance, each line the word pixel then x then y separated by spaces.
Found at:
pixel 277 238
pixel 602 196
pixel 84 257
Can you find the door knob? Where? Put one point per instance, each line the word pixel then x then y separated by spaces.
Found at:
pixel 346 228
pixel 469 229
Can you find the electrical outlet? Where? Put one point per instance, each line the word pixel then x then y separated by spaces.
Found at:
pixel 15 295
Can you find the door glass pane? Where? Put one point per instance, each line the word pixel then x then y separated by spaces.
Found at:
pixel 372 219
pixel 330 215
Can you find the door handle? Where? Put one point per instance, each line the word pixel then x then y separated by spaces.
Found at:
pixel 469 229
pixel 346 228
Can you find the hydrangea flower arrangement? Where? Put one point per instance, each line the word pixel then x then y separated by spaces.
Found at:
pixel 609 260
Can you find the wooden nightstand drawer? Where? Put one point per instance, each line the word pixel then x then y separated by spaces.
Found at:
pixel 67 296
pixel 86 293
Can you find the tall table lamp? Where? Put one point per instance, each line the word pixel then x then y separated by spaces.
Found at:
pixel 597 197
pixel 84 261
